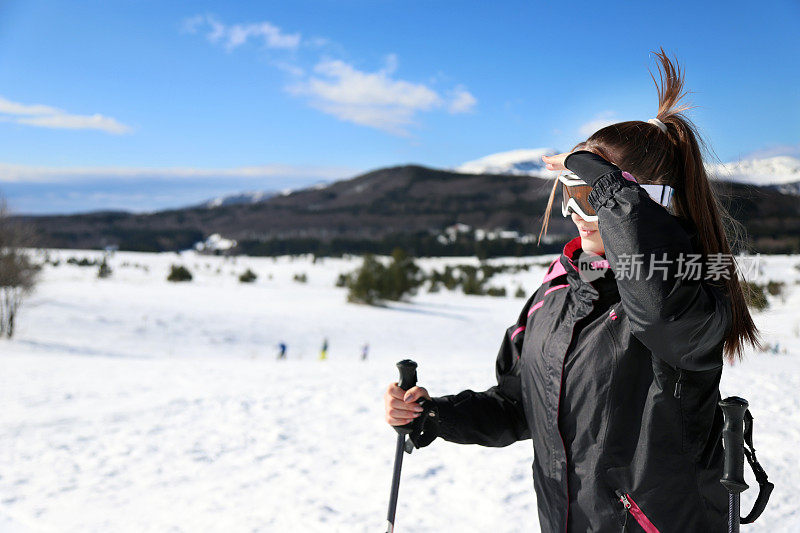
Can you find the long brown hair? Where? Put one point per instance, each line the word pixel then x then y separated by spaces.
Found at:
pixel 675 158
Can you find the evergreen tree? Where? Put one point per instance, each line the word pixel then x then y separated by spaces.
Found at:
pixel 179 273
pixel 248 276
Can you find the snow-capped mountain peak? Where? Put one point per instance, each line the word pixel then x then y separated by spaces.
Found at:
pixel 522 162
pixel 250 197
pixel 778 170
pixel 782 172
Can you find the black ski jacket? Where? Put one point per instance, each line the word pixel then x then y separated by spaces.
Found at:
pixel 616 381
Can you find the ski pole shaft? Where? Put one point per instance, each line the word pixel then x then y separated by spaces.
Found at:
pixel 398 465
pixel 733 409
pixel 408 379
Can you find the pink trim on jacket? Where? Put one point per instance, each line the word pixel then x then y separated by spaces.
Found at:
pixel 556 269
pixel 640 517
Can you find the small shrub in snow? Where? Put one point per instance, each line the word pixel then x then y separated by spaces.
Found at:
pixel 301 278
pixel 496 291
pixel 248 276
pixel 775 288
pixel 341 281
pixel 520 292
pixel 471 283
pixel 104 271
pixel 82 262
pixel 179 273
pixel 446 278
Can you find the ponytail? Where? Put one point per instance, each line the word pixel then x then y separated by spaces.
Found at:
pixel 696 201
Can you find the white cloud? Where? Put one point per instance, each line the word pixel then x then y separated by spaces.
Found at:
pixel 12 173
pixel 373 99
pixel 8 107
pixel 461 101
pixel 377 100
pixel 77 122
pixel 45 116
pixel 232 36
pixel 606 118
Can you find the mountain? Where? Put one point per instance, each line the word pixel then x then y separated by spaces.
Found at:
pixel 378 205
pixel 781 172
pixel 523 162
pixel 250 197
pixel 407 205
pixel 775 171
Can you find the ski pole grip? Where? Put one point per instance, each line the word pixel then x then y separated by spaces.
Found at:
pixel 733 409
pixel 408 379
pixel 408 374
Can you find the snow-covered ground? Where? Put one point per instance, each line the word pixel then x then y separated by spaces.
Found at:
pixel 134 404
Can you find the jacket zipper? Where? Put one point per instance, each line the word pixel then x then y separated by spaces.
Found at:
pixel 678 384
pixel 633 509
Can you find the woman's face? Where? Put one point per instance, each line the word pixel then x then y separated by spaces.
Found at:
pixel 590 236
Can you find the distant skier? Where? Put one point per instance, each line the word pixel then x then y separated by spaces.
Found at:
pixel 324 353
pixel 282 350
pixel 365 351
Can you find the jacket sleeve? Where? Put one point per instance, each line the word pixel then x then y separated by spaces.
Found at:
pixel 678 317
pixel 494 417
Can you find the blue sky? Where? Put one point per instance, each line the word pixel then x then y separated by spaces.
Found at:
pixel 143 105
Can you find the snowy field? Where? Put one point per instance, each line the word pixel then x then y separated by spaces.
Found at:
pixel 134 404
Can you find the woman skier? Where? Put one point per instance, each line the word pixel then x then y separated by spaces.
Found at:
pixel 613 366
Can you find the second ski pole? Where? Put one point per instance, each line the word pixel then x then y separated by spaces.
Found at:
pixel 733 409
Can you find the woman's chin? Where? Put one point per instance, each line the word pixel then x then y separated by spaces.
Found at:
pixel 592 245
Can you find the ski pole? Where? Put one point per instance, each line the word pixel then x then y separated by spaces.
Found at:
pixel 733 409
pixel 408 379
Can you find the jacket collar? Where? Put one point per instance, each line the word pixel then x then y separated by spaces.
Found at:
pixel 605 286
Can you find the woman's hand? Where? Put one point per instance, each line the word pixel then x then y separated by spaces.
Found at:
pixel 401 406
pixel 555 162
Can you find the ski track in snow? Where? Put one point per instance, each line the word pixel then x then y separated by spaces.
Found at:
pixel 132 404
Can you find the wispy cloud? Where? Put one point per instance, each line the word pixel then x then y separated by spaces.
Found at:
pixel 601 120
pixel 461 101
pixel 234 35
pixel 45 116
pixel 12 173
pixel 371 99
pixel 376 99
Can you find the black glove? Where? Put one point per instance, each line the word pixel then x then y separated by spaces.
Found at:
pixel 425 427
